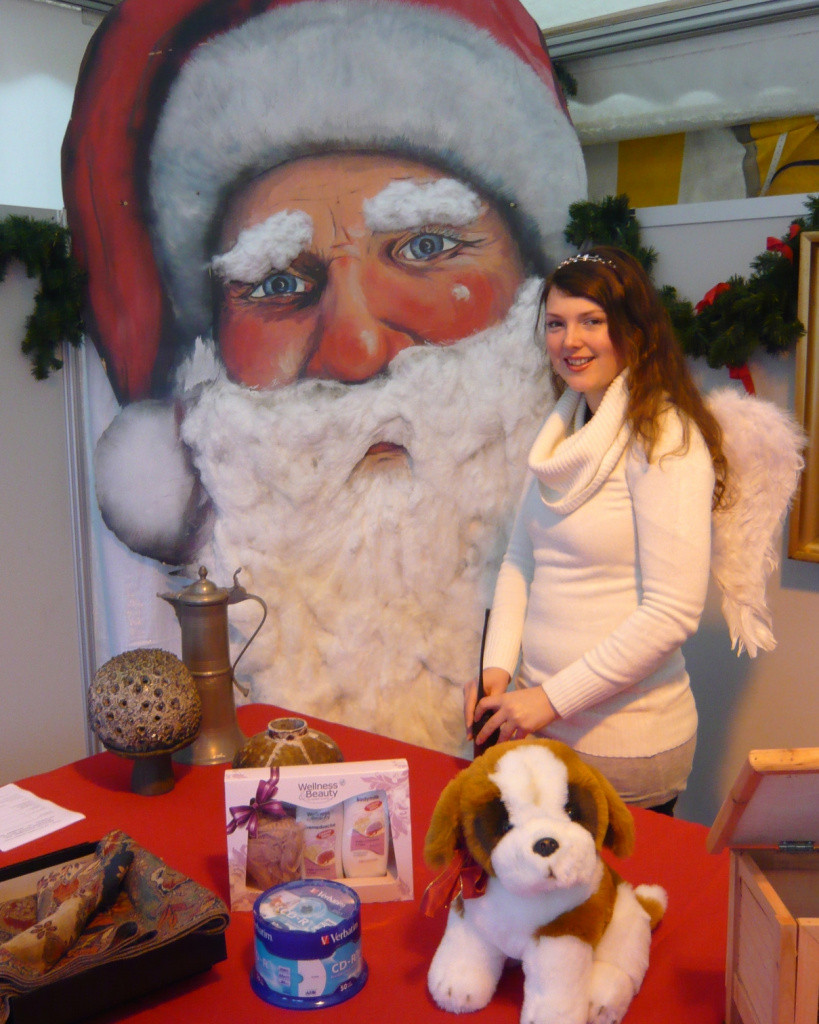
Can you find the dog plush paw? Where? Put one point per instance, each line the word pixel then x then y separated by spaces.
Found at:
pixel 544 1011
pixel 461 991
pixel 610 994
pixel 465 970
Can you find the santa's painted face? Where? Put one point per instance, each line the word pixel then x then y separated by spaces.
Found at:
pixel 329 266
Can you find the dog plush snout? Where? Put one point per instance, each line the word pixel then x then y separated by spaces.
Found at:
pixel 546 847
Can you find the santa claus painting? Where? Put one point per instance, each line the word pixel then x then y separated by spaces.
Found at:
pixel 315 235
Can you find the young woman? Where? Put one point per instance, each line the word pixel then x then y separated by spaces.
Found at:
pixel 607 567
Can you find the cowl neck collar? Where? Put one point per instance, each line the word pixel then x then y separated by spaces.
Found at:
pixel 570 460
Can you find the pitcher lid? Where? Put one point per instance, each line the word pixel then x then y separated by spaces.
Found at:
pixel 202 591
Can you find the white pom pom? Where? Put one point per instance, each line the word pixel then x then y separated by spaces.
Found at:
pixel 147 488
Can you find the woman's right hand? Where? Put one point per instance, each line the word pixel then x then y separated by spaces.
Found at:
pixel 495 681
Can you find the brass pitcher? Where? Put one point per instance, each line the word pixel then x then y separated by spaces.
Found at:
pixel 202 611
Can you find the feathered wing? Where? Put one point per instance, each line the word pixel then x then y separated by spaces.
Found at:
pixel 763 445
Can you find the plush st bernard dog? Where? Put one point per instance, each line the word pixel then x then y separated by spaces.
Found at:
pixel 518 834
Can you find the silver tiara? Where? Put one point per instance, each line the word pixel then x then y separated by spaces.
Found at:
pixel 587 257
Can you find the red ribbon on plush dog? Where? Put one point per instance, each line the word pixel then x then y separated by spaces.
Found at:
pixel 463 876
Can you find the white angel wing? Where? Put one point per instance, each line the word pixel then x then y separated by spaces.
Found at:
pixel 763 445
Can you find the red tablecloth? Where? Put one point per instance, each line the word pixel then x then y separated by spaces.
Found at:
pixel 186 828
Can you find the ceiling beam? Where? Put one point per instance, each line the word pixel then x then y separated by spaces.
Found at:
pixel 612 33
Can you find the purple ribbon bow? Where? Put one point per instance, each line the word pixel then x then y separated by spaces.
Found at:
pixel 247 815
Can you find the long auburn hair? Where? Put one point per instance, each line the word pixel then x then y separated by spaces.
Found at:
pixel 640 331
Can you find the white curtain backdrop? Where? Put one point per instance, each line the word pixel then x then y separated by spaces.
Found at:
pixel 126 611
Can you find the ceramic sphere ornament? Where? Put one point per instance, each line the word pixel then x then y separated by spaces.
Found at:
pixel 287 741
pixel 144 704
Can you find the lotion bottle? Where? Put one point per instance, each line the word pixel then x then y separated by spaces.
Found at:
pixel 322 840
pixel 365 843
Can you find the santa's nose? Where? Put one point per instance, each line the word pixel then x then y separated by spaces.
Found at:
pixel 352 343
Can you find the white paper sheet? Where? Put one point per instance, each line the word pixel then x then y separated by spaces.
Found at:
pixel 24 816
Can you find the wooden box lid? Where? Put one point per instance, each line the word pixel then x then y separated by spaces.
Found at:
pixel 774 800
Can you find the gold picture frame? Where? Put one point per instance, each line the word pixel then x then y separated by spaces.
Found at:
pixel 803 535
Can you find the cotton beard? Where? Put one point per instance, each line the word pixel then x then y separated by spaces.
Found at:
pixel 376 572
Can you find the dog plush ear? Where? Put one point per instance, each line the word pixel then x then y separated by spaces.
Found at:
pixel 615 824
pixel 446 828
pixel 619 836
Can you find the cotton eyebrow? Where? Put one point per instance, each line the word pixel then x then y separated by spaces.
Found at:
pixel 264 248
pixel 408 204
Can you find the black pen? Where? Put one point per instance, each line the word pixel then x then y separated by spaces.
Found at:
pixel 477 748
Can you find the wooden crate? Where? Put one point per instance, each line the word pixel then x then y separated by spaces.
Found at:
pixel 770 822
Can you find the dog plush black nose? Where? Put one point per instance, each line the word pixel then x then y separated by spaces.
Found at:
pixel 545 847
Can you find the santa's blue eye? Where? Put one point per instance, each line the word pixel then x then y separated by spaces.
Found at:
pixel 279 285
pixel 426 246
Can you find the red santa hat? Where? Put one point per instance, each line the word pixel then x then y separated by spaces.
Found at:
pixel 179 101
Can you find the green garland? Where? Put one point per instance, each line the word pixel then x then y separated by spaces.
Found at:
pixel 727 326
pixel 736 317
pixel 44 249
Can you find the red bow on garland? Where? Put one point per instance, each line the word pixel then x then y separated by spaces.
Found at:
pixel 710 295
pixel 743 372
pixel 463 876
pixel 778 245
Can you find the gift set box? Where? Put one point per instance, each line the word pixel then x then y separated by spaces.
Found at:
pixel 347 821
pixel 67 995
pixel 770 822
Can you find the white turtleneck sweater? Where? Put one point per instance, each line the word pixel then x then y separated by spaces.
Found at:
pixel 605 577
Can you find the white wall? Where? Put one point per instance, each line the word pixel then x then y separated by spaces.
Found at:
pixel 770 701
pixel 743 704
pixel 41 46
pixel 42 709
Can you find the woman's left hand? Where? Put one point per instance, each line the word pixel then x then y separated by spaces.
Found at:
pixel 516 714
